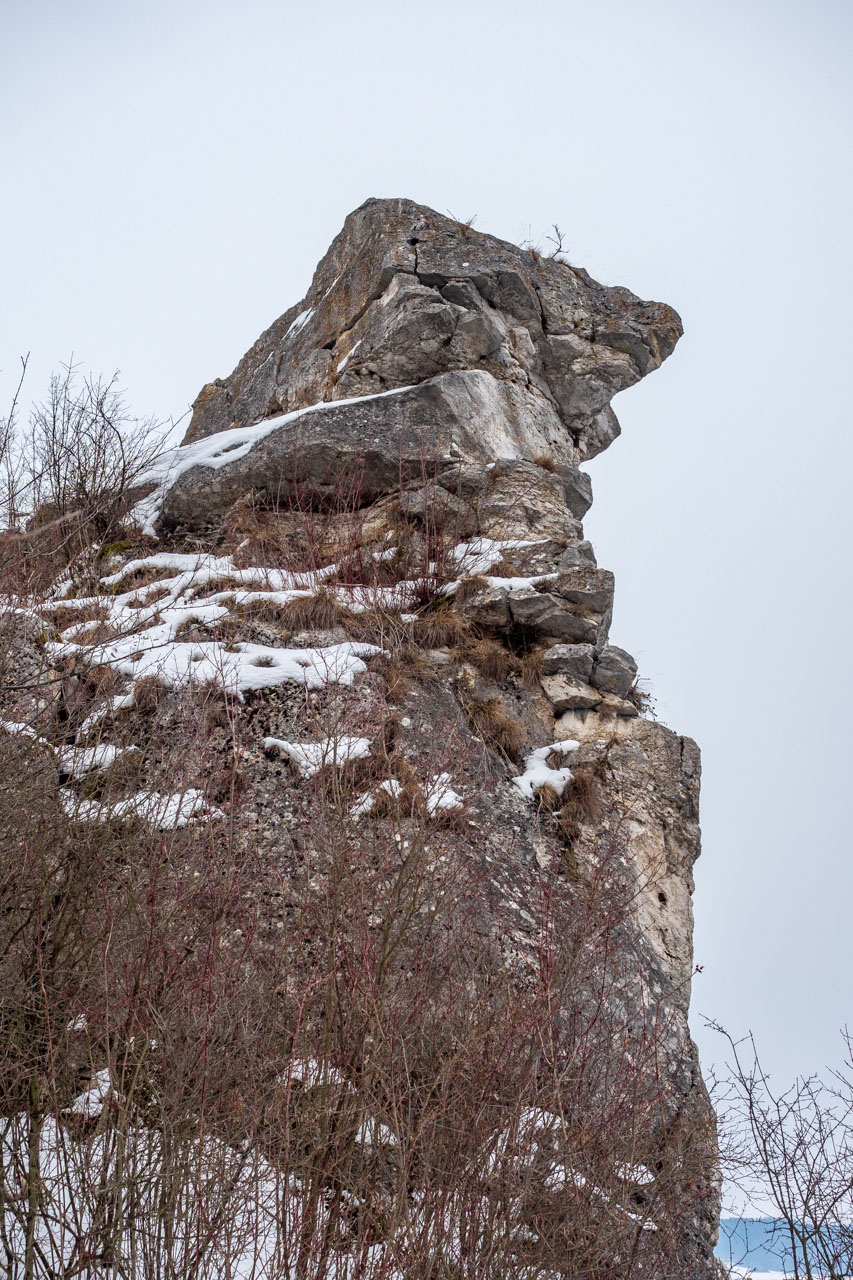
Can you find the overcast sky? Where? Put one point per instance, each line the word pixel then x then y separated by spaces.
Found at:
pixel 173 171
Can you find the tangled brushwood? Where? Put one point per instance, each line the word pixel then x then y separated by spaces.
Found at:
pixel 345 923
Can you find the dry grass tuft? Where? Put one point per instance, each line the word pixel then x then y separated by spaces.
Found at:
pixel 499 730
pixel 531 668
pixel 582 802
pixel 469 586
pixel 492 659
pixel 440 628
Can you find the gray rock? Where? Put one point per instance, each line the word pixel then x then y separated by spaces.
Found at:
pixel 614 671
pixel 405 294
pixel 552 617
pixel 567 694
pixel 464 416
pixel 577 489
pixel 573 660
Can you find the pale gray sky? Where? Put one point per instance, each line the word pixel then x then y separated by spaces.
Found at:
pixel 173 171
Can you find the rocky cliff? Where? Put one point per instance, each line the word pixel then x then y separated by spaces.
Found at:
pixel 370 542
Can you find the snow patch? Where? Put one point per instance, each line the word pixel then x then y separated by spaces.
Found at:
pixel 538 773
pixel 161 810
pixel 311 757
pixel 219 450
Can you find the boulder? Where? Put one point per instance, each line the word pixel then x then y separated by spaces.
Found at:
pixel 375 443
pixel 567 694
pixel 573 660
pixel 614 671
pixel 405 294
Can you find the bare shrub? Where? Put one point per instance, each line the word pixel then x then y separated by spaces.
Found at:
pixel 81 452
pixel 794 1146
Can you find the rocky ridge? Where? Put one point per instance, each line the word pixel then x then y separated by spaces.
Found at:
pixel 376 522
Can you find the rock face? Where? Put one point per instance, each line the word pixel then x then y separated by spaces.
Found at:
pixel 391 472
pixel 405 295
pixel 504 354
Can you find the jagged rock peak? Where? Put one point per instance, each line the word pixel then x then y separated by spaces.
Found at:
pixel 405 296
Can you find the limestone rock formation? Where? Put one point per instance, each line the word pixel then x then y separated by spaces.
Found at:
pixel 371 542
pixel 503 355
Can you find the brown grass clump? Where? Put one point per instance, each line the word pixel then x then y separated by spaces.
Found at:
pixel 469 587
pixel 440 628
pixel 403 667
pixel 498 729
pixel 531 668
pixel 582 801
pixel 492 659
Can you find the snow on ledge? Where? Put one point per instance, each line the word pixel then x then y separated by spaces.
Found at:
pixel 163 811
pixel 220 450
pixel 310 757
pixel 538 773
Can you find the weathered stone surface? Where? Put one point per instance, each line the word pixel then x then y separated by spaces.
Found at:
pixel 405 294
pixel 553 617
pixel 465 415
pixel 565 693
pixel 614 671
pixel 523 500
pixel 573 660
pixel 577 489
